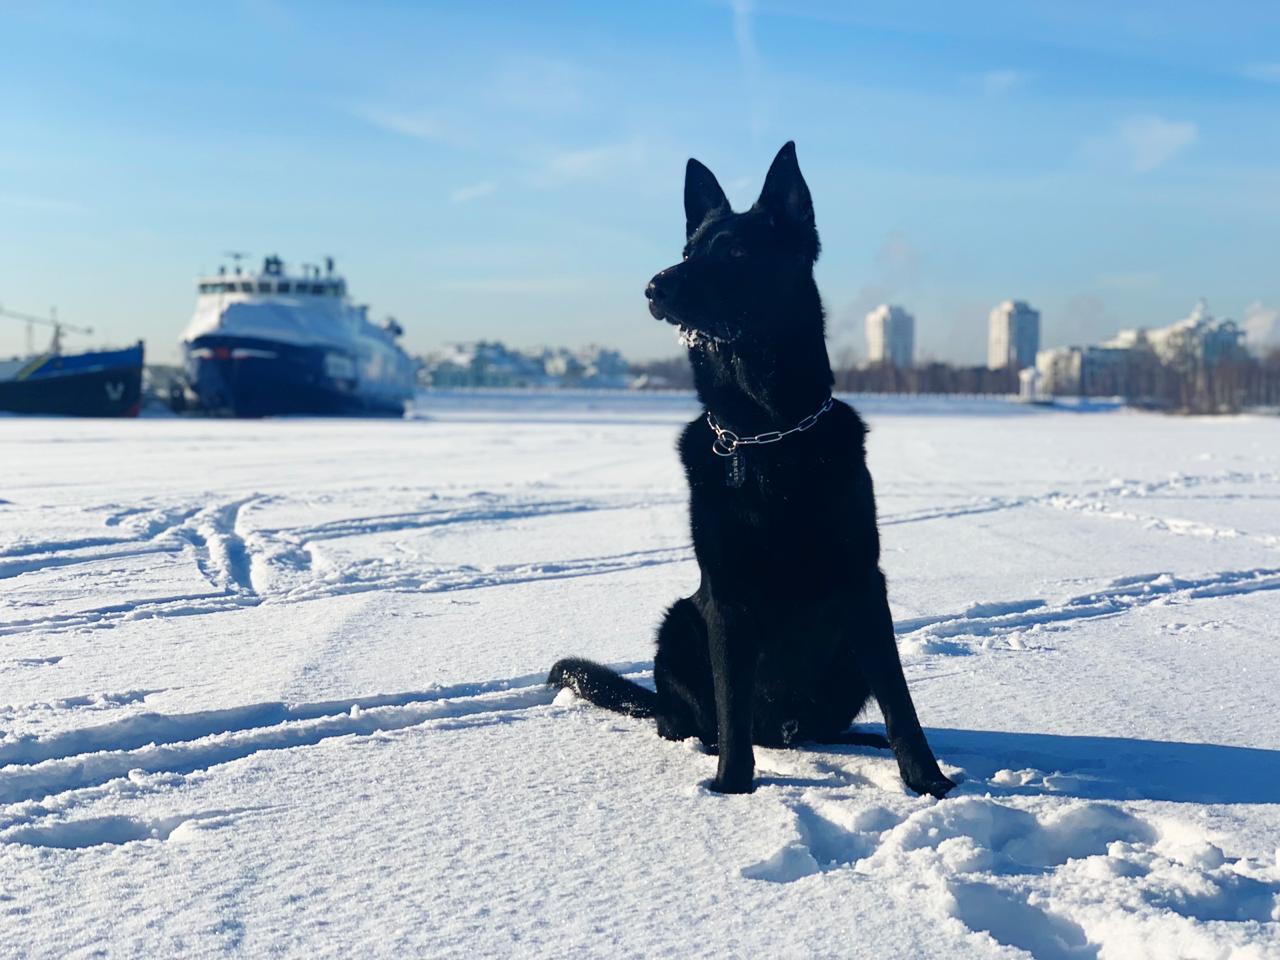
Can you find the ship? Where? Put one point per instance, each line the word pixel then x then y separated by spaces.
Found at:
pixel 92 383
pixel 273 343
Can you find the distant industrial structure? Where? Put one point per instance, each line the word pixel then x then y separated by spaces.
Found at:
pixel 1198 343
pixel 1013 336
pixel 891 336
pixel 490 363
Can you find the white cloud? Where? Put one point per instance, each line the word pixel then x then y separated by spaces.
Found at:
pixel 1266 72
pixel 542 86
pixel 895 271
pixel 29 202
pixel 744 35
pixel 1143 143
pixel 473 192
pixel 418 125
pixel 761 94
pixel 1152 141
pixel 1262 325
pixel 997 82
pixel 591 163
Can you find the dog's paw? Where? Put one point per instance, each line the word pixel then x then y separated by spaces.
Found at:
pixel 735 785
pixel 734 778
pixel 936 786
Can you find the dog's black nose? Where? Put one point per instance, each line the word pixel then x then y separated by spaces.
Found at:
pixel 653 292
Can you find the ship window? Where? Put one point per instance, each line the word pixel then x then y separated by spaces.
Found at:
pixel 264 287
pixel 283 286
pixel 246 288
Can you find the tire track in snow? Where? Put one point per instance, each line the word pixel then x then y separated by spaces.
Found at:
pixel 1097 501
pixel 37 767
pixel 987 505
pixel 1105 502
pixel 220 550
pixel 1165 524
pixel 94 701
pixel 492 510
pixel 446 579
pixel 1122 595
pixel 108 615
pixel 207 534
pixel 440 581
pixel 118 830
pixel 151 529
pixel 37 562
pixel 241 562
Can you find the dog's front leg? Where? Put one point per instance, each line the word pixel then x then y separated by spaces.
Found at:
pixel 882 666
pixel 734 649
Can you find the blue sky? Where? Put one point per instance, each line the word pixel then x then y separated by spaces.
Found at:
pixel 514 170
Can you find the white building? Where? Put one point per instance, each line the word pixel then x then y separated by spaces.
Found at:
pixel 1199 340
pixel 891 336
pixel 492 364
pixel 1090 371
pixel 1013 336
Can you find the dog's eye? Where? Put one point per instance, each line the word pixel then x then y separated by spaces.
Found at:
pixel 737 252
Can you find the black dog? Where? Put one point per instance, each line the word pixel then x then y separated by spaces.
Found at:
pixel 790 630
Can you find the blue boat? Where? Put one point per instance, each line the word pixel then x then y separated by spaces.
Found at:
pixel 270 343
pixel 101 383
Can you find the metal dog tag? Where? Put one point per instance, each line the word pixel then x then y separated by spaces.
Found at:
pixel 735 470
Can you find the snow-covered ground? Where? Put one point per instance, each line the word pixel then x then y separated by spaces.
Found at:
pixel 274 688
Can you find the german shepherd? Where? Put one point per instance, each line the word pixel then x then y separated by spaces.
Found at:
pixel 789 632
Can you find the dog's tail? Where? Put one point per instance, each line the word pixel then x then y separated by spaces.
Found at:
pixel 601 686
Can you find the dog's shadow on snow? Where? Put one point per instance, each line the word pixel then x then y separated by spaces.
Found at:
pixel 1110 768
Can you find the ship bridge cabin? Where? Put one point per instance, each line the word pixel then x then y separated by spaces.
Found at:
pixel 273 281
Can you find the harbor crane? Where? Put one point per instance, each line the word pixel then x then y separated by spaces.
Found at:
pixel 55 345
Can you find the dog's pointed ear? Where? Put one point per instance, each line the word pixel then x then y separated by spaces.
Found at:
pixel 786 198
pixel 702 196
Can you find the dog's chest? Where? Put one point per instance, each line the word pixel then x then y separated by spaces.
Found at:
pixel 755 501
pixel 758 479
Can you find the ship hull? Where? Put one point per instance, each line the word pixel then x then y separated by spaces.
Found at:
pixel 100 384
pixel 251 377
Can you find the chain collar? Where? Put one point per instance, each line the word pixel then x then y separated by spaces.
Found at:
pixel 727 442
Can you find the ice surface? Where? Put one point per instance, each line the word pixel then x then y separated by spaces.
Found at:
pixel 275 688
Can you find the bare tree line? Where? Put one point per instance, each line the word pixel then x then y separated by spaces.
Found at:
pixel 1229 386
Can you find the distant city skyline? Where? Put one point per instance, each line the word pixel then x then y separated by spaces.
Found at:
pixel 891 336
pixel 510 172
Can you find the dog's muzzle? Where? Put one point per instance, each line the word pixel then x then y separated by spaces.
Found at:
pixel 659 294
